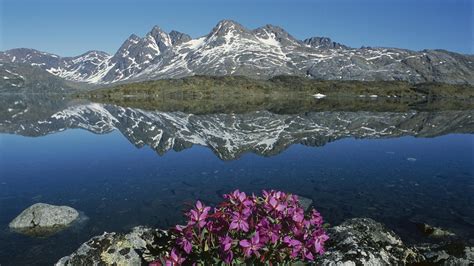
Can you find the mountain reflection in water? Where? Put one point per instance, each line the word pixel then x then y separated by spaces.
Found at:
pixel 228 135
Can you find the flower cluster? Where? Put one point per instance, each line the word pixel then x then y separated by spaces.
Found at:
pixel 270 228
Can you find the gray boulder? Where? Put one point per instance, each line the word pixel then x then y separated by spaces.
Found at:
pixel 363 241
pixel 43 219
pixel 134 248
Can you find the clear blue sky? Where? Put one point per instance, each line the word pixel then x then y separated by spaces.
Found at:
pixel 71 27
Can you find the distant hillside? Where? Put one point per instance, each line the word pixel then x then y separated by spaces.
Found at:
pixel 16 78
pixel 232 94
pixel 244 87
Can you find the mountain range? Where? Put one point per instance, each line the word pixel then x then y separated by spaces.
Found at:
pixel 232 49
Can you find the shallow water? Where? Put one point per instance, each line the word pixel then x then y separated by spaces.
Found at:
pixel 125 166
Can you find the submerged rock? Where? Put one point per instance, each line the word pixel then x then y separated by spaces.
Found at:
pixel 449 252
pixel 363 241
pixel 43 219
pixel 305 203
pixel 434 232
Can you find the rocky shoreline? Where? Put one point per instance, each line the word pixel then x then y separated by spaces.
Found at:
pixel 357 241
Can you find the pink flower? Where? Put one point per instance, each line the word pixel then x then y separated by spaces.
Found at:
pixel 214 227
pixel 276 205
pixel 180 228
pixel 199 215
pixel 251 227
pixel 185 244
pixel 319 243
pixel 268 232
pixel 298 215
pixel 252 246
pixel 174 259
pixel 236 196
pixel 307 253
pixel 240 198
pixel 226 243
pixel 201 207
pixel 316 218
pixel 228 256
pixel 239 222
pixel 239 195
pixel 294 244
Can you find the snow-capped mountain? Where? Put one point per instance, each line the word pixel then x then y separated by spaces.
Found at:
pixel 232 49
pixel 87 67
pixel 227 135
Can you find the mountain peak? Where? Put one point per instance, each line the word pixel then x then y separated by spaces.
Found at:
pixel 162 38
pixel 133 36
pixel 131 40
pixel 26 51
pixel 277 33
pixel 323 42
pixel 95 52
pixel 273 28
pixel 179 37
pixel 227 25
pixel 156 30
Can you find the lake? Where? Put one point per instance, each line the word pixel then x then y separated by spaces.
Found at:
pixel 125 166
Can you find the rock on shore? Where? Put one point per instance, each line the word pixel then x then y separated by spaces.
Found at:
pixel 362 241
pixel 358 241
pixel 42 219
pixel 134 248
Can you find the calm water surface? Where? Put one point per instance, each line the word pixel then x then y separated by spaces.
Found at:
pixel 124 167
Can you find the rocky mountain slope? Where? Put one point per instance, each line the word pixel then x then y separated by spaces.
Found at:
pixel 232 49
pixel 20 78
